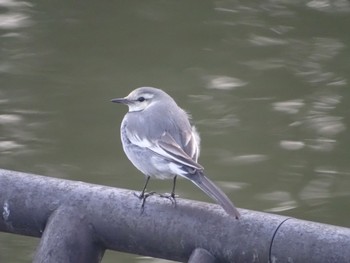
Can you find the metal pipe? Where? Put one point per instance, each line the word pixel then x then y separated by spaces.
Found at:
pixel 112 219
pixel 200 255
pixel 68 238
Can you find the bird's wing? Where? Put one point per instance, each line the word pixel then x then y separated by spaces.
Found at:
pixel 192 143
pixel 172 149
pixel 167 147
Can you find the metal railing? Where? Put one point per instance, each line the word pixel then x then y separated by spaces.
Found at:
pixel 77 222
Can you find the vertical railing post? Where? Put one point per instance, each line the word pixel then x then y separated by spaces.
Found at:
pixel 68 238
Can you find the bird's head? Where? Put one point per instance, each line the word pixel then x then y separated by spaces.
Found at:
pixel 141 98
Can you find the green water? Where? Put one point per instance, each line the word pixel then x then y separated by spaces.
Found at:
pixel 266 83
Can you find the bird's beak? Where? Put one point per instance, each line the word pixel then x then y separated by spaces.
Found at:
pixel 121 100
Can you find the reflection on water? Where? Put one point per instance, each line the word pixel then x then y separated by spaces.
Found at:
pixel 266 83
pixel 223 82
pixel 14 18
pixel 329 5
pixel 9 121
pixel 318 191
pixel 292 145
pixel 248 159
pixel 16 132
pixel 307 95
pixel 290 106
pixel 282 201
pixel 308 59
pixel 314 118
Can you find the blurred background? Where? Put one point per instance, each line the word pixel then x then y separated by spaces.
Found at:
pixel 267 84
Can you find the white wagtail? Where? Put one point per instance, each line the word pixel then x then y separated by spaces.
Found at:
pixel 160 141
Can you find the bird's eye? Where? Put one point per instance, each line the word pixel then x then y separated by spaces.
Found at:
pixel 141 99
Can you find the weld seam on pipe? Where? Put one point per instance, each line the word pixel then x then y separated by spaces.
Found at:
pixel 274 235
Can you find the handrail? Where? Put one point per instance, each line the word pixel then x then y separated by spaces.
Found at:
pixel 77 221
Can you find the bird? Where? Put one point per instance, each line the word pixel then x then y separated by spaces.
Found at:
pixel 160 141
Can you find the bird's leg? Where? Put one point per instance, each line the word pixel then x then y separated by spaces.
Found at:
pixel 173 190
pixel 143 196
pixel 172 196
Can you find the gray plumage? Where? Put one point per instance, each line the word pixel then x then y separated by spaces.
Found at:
pixel 160 141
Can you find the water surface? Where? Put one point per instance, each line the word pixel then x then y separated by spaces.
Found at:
pixel 266 84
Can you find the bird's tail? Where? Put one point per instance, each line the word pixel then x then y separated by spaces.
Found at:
pixel 214 192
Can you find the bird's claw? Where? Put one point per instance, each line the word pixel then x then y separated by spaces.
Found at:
pixel 171 197
pixel 143 196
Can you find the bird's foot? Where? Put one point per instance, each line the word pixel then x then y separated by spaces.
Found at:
pixel 143 196
pixel 171 197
